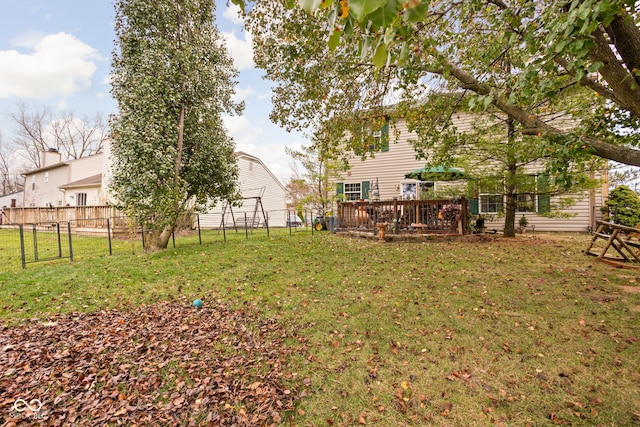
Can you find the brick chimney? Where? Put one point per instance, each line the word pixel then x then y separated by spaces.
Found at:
pixel 50 157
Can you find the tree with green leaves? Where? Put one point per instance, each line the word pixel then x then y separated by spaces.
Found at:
pixel 173 79
pixel 316 178
pixel 351 74
pixel 550 46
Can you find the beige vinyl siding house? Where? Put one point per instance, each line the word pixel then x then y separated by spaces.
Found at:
pixel 44 186
pixel 388 166
pixel 386 170
pixel 257 183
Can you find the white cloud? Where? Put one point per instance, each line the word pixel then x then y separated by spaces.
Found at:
pixel 232 13
pixel 28 40
pixel 59 65
pixel 242 131
pixel 273 155
pixel 265 95
pixel 242 94
pixel 241 50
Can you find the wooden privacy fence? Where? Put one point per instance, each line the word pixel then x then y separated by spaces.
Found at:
pixel 83 216
pixel 437 216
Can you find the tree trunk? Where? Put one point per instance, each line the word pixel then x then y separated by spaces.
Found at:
pixel 157 240
pixel 510 184
pixel 510 213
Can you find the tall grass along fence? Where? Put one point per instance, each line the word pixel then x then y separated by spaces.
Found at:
pixel 69 236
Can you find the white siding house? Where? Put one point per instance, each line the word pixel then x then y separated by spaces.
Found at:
pixel 48 185
pixel 84 192
pixel 257 184
pixel 255 180
pixel 12 200
pixel 383 177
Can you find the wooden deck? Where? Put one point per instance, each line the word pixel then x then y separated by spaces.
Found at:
pixel 439 216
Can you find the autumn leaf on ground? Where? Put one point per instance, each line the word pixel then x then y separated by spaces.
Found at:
pixel 163 362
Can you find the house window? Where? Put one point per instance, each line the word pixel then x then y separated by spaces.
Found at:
pixel 381 138
pixel 81 199
pixel 352 191
pixel 526 193
pixel 491 203
pixel 491 197
pixel 374 137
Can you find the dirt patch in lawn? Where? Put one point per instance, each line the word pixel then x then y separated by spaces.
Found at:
pixel 162 364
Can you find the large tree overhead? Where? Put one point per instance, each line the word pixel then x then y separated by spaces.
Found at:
pixel 353 53
pixel 172 79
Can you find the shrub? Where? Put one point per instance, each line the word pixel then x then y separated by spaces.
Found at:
pixel 624 206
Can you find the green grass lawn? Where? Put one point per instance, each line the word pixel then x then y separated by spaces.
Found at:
pixel 527 331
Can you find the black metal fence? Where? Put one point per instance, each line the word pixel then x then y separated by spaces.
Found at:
pixel 24 244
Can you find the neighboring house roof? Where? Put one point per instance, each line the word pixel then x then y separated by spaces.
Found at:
pixel 12 194
pixel 58 165
pixel 90 181
pixel 46 168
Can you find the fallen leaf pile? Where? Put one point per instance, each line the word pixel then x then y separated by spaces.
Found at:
pixel 163 364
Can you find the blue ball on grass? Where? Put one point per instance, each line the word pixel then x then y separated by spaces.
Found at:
pixel 197 303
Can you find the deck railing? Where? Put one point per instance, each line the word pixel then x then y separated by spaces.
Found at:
pixel 85 216
pixel 405 216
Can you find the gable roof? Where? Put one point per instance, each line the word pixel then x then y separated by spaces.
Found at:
pixel 46 168
pixel 60 164
pixel 91 181
pixel 240 154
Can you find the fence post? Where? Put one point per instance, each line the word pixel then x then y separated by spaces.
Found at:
pixel 70 244
pixel 374 215
pixel 60 240
pixel 22 252
pixel 267 222
pixel 142 234
pixel 396 224
pixel 246 227
pixel 199 233
pixel 109 236
pixel 35 242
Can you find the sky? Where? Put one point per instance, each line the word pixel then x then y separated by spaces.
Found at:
pixel 56 54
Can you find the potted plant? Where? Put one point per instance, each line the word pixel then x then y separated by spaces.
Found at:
pixel 523 223
pixel 480 227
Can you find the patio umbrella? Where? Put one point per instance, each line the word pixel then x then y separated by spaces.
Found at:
pixel 436 173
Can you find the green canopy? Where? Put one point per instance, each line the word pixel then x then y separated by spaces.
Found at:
pixel 436 173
